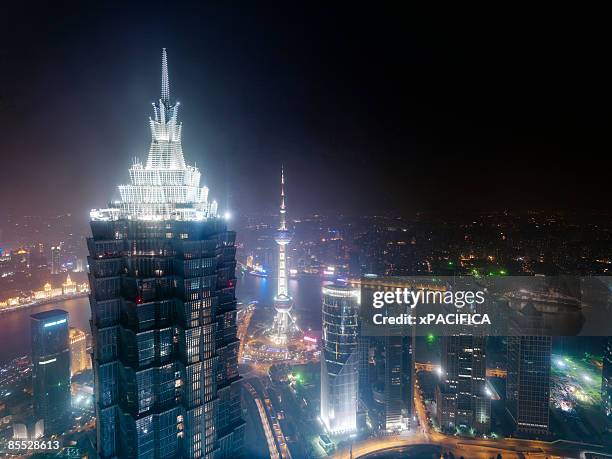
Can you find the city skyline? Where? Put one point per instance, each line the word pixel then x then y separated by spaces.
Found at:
pixel 159 300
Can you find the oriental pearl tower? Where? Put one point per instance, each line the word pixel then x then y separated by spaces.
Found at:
pixel 284 324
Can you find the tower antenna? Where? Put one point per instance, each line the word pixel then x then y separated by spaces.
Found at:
pixel 165 84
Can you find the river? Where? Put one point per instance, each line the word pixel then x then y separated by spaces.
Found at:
pixel 306 293
pixel 15 325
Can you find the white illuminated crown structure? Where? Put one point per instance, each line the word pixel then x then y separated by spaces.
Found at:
pixel 165 188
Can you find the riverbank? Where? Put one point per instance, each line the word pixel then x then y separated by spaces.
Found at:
pixel 43 302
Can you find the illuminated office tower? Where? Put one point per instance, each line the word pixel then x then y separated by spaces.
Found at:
pixel 340 358
pixel 56 252
pixel 51 369
pixel 79 360
pixel 461 397
pixel 162 276
pixel 606 384
pixel 284 324
pixel 398 377
pixel 528 383
pixel 79 266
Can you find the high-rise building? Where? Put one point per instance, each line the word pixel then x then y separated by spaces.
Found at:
pixel 398 377
pixel 462 401
pixel 51 369
pixel 162 276
pixel 340 358
pixel 56 257
pixel 606 384
pixel 284 324
pixel 528 383
pixel 37 259
pixel 386 387
pixel 80 267
pixel 79 360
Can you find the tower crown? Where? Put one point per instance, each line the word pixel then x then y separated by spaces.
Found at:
pixel 165 188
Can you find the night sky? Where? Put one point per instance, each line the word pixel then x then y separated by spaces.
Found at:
pixel 370 110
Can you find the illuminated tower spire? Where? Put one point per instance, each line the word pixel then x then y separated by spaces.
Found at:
pixel 284 324
pixel 165 84
pixel 283 237
pixel 283 223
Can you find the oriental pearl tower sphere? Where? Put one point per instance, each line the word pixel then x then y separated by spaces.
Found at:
pixel 283 322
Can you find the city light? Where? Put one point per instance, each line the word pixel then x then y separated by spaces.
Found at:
pixel 57 322
pixel 154 329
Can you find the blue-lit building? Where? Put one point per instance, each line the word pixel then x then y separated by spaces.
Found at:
pixel 162 275
pixel 51 370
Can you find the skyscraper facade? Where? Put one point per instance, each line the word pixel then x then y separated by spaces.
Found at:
pixel 283 324
pixel 162 275
pixel 386 387
pixel 365 384
pixel 51 369
pixel 79 359
pixel 398 379
pixel 340 358
pixel 528 383
pixel 461 398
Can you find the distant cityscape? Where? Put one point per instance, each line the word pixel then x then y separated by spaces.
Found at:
pixel 575 396
pixel 41 260
pixel 172 328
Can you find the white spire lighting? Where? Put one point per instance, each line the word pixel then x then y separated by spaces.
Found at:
pixel 165 188
pixel 165 84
